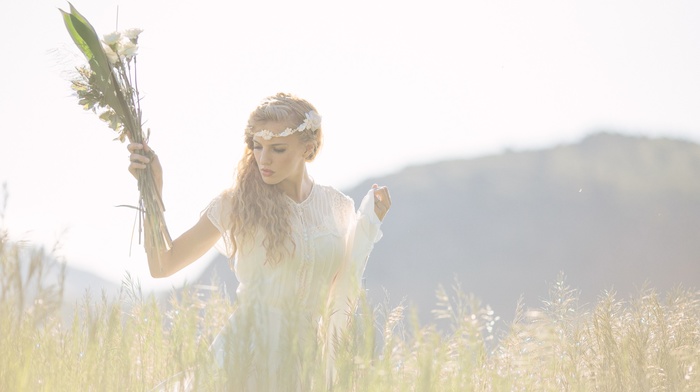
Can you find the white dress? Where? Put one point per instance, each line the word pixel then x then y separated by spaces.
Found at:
pixel 279 307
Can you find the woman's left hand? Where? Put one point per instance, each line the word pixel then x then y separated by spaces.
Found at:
pixel 382 201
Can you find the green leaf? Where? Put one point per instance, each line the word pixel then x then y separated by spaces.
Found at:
pixel 85 37
pixel 87 104
pixel 106 116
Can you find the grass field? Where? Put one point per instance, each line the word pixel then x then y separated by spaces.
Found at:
pixel 650 342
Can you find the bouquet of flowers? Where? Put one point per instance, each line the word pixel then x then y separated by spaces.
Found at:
pixel 108 87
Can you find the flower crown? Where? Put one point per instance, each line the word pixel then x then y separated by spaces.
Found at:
pixel 312 122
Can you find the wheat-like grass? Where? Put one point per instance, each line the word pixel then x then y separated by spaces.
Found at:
pixel 134 342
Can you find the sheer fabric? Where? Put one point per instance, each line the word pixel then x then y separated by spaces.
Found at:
pixel 279 305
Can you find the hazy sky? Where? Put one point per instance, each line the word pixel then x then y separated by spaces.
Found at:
pixel 397 83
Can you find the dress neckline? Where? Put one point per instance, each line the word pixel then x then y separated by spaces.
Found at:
pixel 301 203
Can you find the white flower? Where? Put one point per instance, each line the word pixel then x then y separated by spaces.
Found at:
pixel 128 49
pixel 313 120
pixel 111 54
pixel 112 38
pixel 265 134
pixel 132 33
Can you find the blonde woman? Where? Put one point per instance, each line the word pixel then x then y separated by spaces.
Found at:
pixel 298 248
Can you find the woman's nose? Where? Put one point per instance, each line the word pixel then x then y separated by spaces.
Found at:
pixel 265 157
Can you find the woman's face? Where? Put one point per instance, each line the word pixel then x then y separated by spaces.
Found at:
pixel 280 158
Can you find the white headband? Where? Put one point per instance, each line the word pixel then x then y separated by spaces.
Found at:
pixel 312 122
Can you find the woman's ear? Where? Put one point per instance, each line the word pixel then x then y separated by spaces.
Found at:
pixel 309 150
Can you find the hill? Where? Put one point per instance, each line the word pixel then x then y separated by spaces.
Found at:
pixel 610 212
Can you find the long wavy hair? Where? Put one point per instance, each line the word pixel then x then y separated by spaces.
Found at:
pixel 257 205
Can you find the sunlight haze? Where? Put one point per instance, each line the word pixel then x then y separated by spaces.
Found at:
pixel 397 83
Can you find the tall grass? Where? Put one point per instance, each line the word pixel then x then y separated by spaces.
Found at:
pixel 133 343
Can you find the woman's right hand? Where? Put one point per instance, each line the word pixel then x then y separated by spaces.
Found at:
pixel 186 248
pixel 143 157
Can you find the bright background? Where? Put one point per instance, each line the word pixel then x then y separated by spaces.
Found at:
pixel 397 82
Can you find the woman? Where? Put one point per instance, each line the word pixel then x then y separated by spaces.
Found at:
pixel 298 248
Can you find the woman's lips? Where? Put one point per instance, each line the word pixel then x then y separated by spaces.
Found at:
pixel 267 172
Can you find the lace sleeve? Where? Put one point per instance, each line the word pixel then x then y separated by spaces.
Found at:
pixel 219 213
pixel 363 232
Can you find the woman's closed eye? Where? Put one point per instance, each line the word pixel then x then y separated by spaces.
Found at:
pixel 277 148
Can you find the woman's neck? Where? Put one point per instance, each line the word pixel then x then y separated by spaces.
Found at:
pixel 298 189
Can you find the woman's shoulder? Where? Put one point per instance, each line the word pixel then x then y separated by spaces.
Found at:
pixel 334 194
pixel 331 191
pixel 224 197
pixel 221 204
